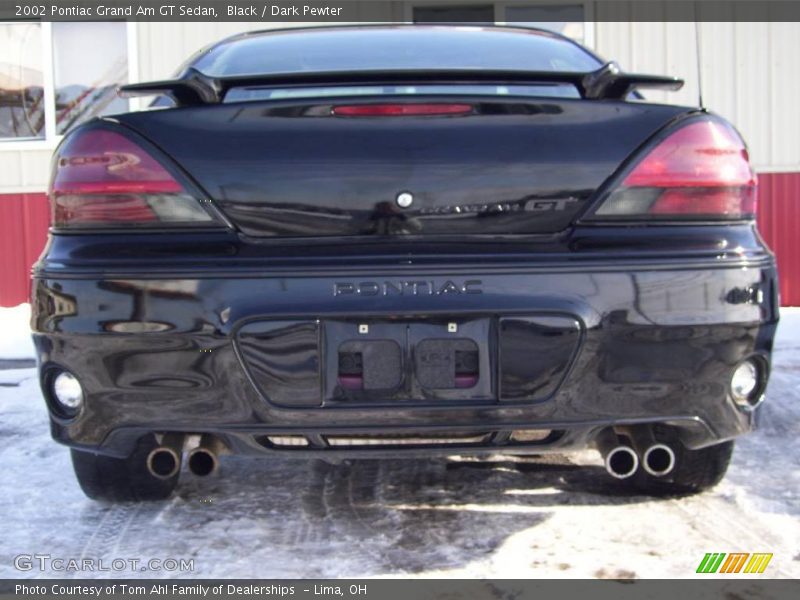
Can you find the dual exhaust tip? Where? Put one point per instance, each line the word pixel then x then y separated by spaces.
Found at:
pixel 164 461
pixel 622 460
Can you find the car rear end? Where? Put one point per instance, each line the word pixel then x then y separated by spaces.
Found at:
pixel 402 268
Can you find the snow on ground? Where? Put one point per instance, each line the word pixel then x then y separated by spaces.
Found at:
pixel 555 517
pixel 15 334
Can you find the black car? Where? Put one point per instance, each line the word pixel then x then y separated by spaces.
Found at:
pixel 402 241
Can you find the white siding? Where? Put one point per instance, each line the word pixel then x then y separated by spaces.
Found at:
pixel 35 169
pixel 9 171
pixel 24 170
pixel 782 97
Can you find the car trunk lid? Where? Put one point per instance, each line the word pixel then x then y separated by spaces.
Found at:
pixel 503 167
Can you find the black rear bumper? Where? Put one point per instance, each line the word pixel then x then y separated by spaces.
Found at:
pixel 656 342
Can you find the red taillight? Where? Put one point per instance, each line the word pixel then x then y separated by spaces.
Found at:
pixel 103 179
pixel 401 110
pixel 700 171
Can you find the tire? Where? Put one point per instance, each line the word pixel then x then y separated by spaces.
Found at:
pixel 695 471
pixel 121 479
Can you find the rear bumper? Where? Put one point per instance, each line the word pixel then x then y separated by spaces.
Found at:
pixel 658 344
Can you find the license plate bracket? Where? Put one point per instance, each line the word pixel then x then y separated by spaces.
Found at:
pixel 408 360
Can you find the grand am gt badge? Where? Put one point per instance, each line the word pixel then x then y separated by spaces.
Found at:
pixel 418 287
pixel 537 205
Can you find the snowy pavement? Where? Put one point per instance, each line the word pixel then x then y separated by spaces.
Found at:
pixel 559 517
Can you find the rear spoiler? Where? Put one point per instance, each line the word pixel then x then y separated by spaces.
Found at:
pixel 606 83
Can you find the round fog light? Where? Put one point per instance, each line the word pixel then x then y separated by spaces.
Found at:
pixel 67 390
pixel 744 383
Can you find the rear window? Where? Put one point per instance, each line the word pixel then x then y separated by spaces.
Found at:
pixel 394 48
pixel 246 94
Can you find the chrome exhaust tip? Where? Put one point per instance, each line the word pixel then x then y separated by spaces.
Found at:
pixel 658 460
pixel 202 462
pixel 204 458
pixel 621 462
pixel 164 461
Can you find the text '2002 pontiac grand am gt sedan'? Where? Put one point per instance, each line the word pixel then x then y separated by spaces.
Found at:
pixel 373 241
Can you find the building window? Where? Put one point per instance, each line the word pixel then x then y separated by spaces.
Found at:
pixel 454 14
pixel 54 76
pixel 22 113
pixel 567 19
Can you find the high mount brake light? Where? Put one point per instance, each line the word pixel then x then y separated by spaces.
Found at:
pixel 401 110
pixel 103 179
pixel 701 171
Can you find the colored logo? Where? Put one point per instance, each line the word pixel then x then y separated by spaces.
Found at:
pixel 735 562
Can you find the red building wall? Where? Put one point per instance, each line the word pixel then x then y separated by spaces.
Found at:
pixel 24 220
pixel 779 224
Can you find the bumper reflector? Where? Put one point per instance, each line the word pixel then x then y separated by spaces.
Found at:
pixel 746 384
pixel 287 440
pixel 67 391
